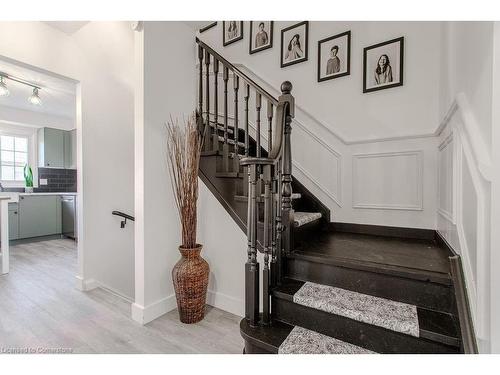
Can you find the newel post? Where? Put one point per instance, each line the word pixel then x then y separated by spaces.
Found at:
pixel 286 176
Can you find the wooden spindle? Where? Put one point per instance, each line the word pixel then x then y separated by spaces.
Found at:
pixel 286 177
pixel 216 106
pixel 236 159
pixel 267 242
pixel 247 136
pixel 225 147
pixel 270 126
pixel 252 268
pixel 258 104
pixel 200 90
pixel 206 132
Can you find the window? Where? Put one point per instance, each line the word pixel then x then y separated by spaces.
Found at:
pixel 13 157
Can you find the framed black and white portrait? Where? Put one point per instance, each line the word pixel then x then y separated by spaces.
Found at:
pixel 294 44
pixel 261 35
pixel 232 31
pixel 383 65
pixel 334 56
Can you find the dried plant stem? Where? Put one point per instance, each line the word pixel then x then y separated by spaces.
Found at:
pixel 184 150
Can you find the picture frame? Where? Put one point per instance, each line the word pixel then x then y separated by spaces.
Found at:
pixel 260 39
pixel 207 27
pixel 334 56
pixel 383 65
pixel 294 44
pixel 232 31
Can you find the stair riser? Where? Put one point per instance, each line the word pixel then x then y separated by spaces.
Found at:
pixel 368 336
pixel 429 295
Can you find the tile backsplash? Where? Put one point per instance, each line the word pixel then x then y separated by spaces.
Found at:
pixel 58 180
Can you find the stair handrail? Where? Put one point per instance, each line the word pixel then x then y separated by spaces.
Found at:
pixel 234 69
pixel 269 176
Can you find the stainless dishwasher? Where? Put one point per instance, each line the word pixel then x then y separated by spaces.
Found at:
pixel 68 207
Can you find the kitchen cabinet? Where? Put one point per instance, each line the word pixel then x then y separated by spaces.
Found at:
pixel 51 148
pixel 70 149
pixel 13 221
pixel 39 215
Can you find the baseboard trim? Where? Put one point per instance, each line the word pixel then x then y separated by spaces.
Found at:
pixel 145 314
pixel 86 285
pixel 385 231
pixel 442 242
pixel 464 313
pixel 227 303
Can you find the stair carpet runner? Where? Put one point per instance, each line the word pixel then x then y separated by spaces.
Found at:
pixel 392 315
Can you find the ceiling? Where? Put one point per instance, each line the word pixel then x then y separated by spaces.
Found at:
pixel 67 27
pixel 58 94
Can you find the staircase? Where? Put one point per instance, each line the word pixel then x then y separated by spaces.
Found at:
pixel 326 288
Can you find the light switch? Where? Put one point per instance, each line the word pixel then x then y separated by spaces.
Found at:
pixel 43 181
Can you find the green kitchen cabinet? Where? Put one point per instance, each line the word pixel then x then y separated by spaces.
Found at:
pixel 51 148
pixel 39 215
pixel 70 149
pixel 13 221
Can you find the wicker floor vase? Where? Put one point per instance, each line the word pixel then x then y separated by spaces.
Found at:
pixel 190 277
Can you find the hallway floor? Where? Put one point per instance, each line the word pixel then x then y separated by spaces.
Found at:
pixel 41 308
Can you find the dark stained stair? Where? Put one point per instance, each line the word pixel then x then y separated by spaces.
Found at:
pixel 327 288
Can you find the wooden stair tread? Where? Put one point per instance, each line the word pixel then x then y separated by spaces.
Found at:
pixel 400 318
pixel 303 218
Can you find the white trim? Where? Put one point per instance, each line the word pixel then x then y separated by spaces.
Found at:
pixel 334 197
pixel 86 285
pixel 145 314
pixel 470 148
pixel 471 129
pixel 381 206
pixel 450 216
pixel 227 303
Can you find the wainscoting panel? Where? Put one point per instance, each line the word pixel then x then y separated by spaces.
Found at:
pixel 320 163
pixel 445 179
pixel 388 181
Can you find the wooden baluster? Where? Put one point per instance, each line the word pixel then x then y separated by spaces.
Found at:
pixel 247 135
pixel 258 104
pixel 267 242
pixel 274 224
pixel 270 126
pixel 215 138
pixel 252 301
pixel 236 159
pixel 225 147
pixel 206 133
pixel 200 90
pixel 277 272
pixel 286 178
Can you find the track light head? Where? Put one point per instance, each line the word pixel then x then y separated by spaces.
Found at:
pixel 4 91
pixel 35 98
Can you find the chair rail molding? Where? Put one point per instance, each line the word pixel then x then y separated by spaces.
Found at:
pixel 415 202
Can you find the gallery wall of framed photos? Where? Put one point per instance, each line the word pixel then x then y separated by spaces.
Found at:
pixel 339 67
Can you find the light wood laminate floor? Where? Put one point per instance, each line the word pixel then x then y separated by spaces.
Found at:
pixel 41 308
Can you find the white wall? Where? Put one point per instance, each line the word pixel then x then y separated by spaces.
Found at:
pixel 100 58
pixel 22 117
pixel 465 163
pixel 340 103
pixel 166 87
pixel 349 133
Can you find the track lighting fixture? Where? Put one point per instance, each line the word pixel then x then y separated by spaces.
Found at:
pixel 4 91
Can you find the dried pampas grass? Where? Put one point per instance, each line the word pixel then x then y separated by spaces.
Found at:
pixel 184 145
